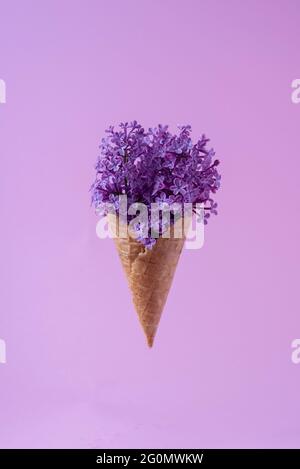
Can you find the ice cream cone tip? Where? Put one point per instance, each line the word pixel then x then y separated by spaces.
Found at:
pixel 150 341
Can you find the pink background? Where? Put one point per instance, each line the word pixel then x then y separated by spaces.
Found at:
pixel 78 371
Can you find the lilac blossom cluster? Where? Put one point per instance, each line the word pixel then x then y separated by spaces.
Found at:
pixel 155 166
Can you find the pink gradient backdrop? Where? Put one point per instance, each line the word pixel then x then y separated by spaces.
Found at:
pixel 78 371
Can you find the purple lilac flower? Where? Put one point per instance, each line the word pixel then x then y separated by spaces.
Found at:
pixel 155 166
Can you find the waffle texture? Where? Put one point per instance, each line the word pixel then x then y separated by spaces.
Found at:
pixel 150 273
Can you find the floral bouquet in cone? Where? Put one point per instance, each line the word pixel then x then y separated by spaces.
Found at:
pixel 150 184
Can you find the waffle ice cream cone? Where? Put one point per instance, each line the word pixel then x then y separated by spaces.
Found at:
pixel 150 274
